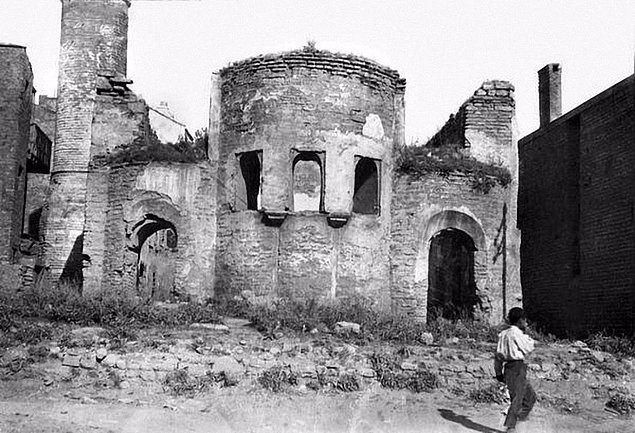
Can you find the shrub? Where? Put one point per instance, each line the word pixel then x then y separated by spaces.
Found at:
pixel 376 325
pixel 278 378
pixel 621 403
pixel 29 333
pixel 347 383
pixel 117 311
pixel 388 371
pixel 493 393
pixel 562 404
pixel 617 345
pixel 180 383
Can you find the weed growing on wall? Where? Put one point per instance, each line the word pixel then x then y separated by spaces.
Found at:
pixel 153 149
pixel 419 161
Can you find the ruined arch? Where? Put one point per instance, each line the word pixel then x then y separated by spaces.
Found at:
pixel 453 247
pixel 152 243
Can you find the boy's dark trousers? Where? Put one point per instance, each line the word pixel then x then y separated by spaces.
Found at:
pixel 520 391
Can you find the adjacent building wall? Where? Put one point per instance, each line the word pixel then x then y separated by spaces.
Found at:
pixel 576 216
pixel 16 99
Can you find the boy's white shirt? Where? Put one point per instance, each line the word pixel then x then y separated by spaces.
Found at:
pixel 514 344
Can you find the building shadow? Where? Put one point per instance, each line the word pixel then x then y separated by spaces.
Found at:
pixel 466 422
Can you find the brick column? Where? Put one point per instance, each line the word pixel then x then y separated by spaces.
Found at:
pixel 93 39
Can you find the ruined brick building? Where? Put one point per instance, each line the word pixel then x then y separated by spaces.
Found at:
pixel 576 198
pixel 305 187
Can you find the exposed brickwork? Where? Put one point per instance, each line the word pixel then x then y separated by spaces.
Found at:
pixel 38 177
pixel 93 39
pixel 576 216
pixel 310 101
pixel 483 128
pixel 415 204
pixel 303 124
pixel 16 99
pixel 549 93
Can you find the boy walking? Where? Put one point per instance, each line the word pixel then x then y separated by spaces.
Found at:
pixel 513 346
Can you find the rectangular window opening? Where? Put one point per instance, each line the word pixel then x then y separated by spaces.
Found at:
pixel 249 182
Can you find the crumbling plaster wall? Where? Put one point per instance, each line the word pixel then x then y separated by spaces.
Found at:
pixel 342 106
pixel 16 100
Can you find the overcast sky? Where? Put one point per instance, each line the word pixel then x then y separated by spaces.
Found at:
pixel 444 49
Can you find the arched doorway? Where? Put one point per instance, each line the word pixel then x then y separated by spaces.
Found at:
pixel 156 246
pixel 451 282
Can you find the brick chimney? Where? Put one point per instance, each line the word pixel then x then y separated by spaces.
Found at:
pixel 549 95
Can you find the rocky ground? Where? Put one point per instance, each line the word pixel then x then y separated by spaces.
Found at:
pixel 230 377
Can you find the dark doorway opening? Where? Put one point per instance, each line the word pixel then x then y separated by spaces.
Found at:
pixel 366 192
pixel 249 190
pixel 451 283
pixel 156 264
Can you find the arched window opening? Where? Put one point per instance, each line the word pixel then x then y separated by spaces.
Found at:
pixel 366 191
pixel 451 283
pixel 308 182
pixel 248 190
pixel 156 245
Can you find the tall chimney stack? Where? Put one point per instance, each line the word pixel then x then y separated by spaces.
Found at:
pixel 549 94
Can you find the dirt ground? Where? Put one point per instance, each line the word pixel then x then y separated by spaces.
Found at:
pixel 45 396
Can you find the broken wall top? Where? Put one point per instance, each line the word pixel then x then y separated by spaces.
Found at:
pixel 367 71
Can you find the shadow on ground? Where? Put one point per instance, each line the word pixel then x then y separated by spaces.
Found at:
pixel 466 422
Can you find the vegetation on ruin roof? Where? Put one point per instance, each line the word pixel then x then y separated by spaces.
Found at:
pixel 419 161
pixel 153 150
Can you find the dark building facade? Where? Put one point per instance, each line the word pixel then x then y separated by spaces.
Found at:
pixel 575 211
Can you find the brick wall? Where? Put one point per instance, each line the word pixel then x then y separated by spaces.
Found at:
pixel 484 129
pixel 16 99
pixel 339 106
pixel 93 39
pixel 122 195
pixel 416 202
pixel 576 216
pixel 44 115
pixel 607 166
pixel 483 126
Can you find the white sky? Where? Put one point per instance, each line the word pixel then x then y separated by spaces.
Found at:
pixel 444 49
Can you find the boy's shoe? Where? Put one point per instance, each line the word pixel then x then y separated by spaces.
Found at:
pixel 511 430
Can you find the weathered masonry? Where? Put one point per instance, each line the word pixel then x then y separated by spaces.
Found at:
pixel 576 198
pixel 454 240
pixel 304 187
pixel 305 143
pixel 16 100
